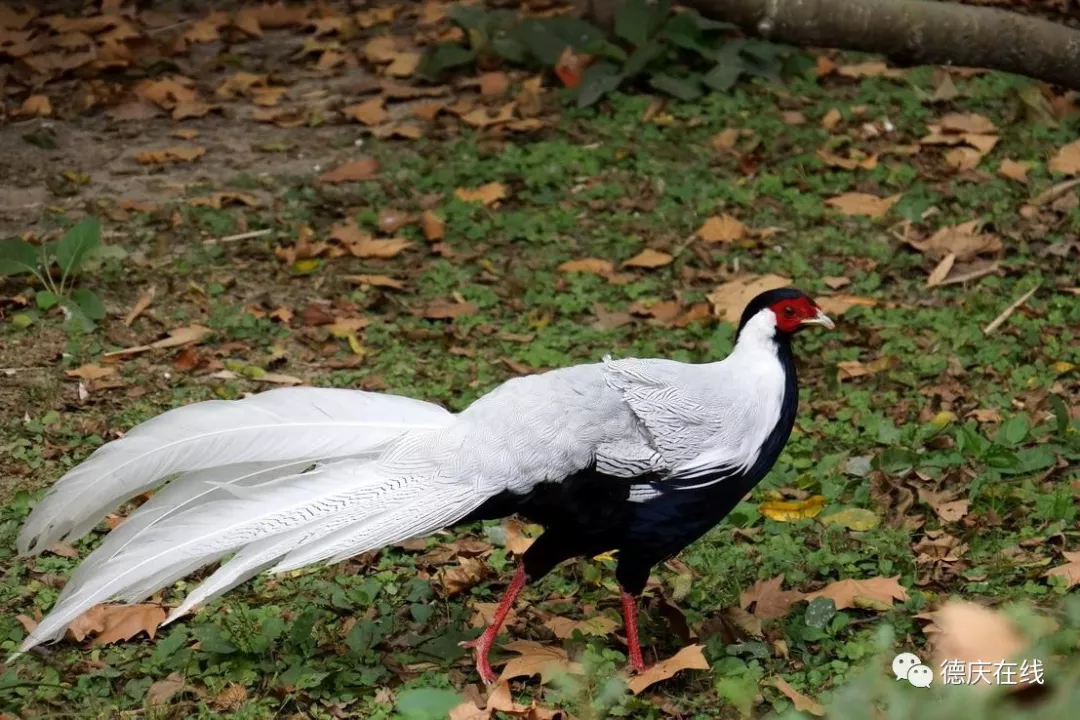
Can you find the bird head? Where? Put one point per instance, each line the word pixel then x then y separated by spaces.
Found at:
pixel 786 310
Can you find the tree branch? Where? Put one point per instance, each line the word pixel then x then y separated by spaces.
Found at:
pixel 908 32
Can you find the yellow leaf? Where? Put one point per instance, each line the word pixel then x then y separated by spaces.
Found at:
pixel 306 266
pixel 594 266
pixel 788 510
pixel 858 519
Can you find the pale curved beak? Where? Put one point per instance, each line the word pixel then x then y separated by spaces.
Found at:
pixel 820 319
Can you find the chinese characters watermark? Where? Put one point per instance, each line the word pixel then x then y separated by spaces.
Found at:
pixel 908 666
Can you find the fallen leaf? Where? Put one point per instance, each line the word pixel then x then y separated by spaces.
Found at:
pixel 594 266
pixel 364 168
pixel 729 300
pixel 536 659
pixel 857 519
pixel 375 281
pixel 176 338
pixel 963 159
pixel 37 106
pixel 831 119
pixel 433 226
pixel 219 200
pixel 404 64
pixel 970 634
pixel 722 228
pixel 768 600
pixel 515 540
pixel 570 67
pixel 876 593
pixel 448 310
pixel 162 691
pixel 649 258
pixel 835 283
pixel 1013 170
pixel 63 549
pixel 789 510
pixel 855 203
pixel 1066 160
pixel 91 372
pixel 792 117
pixel 850 369
pixel 868 69
pixel 965 241
pixel 802 702
pixel 967 123
pixel 939 273
pixel 361 244
pixel 726 139
pixel 1070 571
pixel 488 194
pixel 116 622
pixel 839 304
pixel 369 112
pixel 689 658
pixel 170 155
pixel 468 572
pixel 493 83
pixel 596 625
pixel 857 160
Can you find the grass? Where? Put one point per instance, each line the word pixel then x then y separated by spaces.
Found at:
pixel 324 643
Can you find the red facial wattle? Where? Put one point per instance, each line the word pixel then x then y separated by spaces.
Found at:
pixel 792 314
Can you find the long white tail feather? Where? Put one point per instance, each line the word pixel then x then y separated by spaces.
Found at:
pixel 275 426
pixel 200 536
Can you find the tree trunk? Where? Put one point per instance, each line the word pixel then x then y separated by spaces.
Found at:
pixel 908 32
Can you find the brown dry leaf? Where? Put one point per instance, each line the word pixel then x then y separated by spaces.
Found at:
pixel 115 622
pixel 967 123
pixel 839 304
pixel 167 92
pixel 971 634
pixel 375 281
pixel 850 369
pixel 963 159
pixel 729 300
pixel 361 244
pixel 219 200
pixel 649 258
pixel 399 130
pixel 858 160
pixel 370 112
pixel 831 119
pixel 792 117
pixel 482 117
pixel 382 49
pixel 493 83
pixel 36 105
pixel 488 194
pixel 876 593
pixel 91 372
pixel 469 572
pixel 964 240
pixel 855 203
pixel 1066 160
pixel 516 541
pixel 868 69
pixel 835 283
pixel 689 658
pixel 952 511
pixel 1070 571
pixel 536 659
pixel 802 702
pixel 433 226
pixel 364 168
pixel 1013 170
pixel 594 266
pixel 596 625
pixel 177 338
pixel 726 139
pixel 468 710
pixel 768 599
pixel 63 549
pixel 162 691
pixel 938 275
pixel 232 698
pixel 444 310
pixel 170 155
pixel 404 64
pixel 722 228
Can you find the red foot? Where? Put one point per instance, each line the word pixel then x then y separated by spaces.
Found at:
pixel 486 640
pixel 629 606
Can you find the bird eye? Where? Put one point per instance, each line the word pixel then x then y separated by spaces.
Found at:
pixel 789 311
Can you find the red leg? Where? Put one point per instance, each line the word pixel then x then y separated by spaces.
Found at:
pixel 486 640
pixel 629 608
